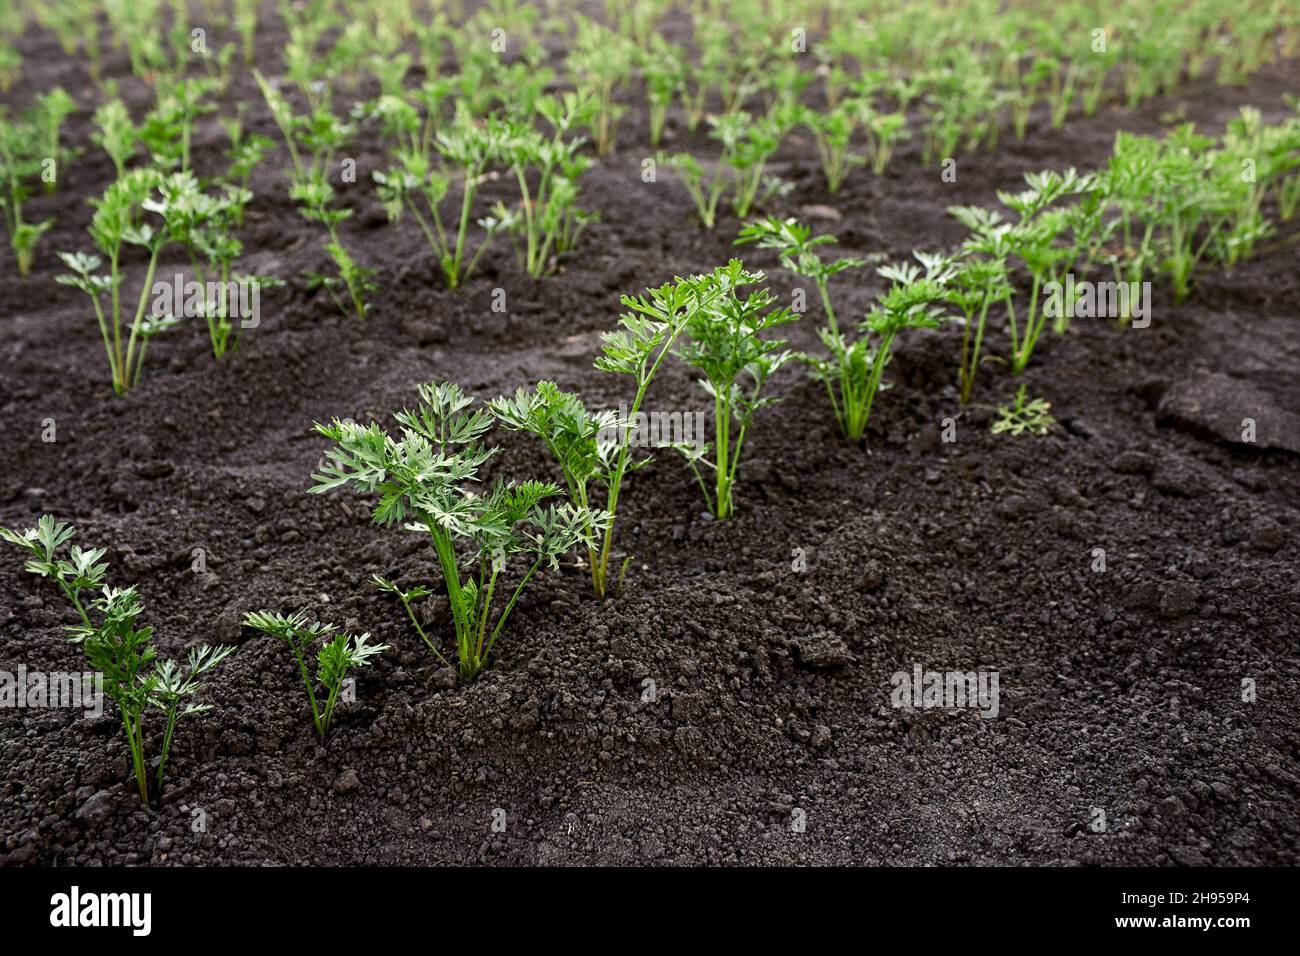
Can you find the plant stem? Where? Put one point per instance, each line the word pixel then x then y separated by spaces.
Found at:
pixel 311 694
pixel 139 312
pixel 167 744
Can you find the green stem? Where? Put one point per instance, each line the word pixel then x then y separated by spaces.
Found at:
pixel 139 313
pixel 420 630
pixel 311 694
pixel 487 605
pixel 506 613
pixel 328 716
pixel 466 202
pixel 136 746
pixel 878 363
pixel 167 744
pixel 722 474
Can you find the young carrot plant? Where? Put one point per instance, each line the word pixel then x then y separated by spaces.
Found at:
pixel 833 131
pixel 1035 240
pixel 1128 184
pixel 601 61
pixel 315 197
pixel 797 248
pixel 547 222
pixel 724 341
pixel 168 129
pixel 1253 157
pixel 1024 416
pixel 175 684
pixel 22 161
pixel 11 63
pixel 313 141
pixel 52 108
pixel 413 182
pixel 595 449
pixel 206 226
pixel 705 196
pixel 980 280
pixel 585 446
pixel 118 223
pixel 665 78
pixel 747 144
pixel 244 17
pixel 911 302
pixel 1190 200
pixel 247 150
pixel 76 23
pixel 115 134
pixel 729 64
pixel 121 653
pixel 420 479
pixel 1091 228
pixel 339 654
pixel 884 131
pixel 1034 243
pixel 1286 164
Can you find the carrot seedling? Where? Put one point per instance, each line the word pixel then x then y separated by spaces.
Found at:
pixel 121 653
pixel 421 477
pixel 596 449
pixel 724 341
pixel 339 654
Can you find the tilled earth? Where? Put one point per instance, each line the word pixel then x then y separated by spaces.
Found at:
pixel 725 697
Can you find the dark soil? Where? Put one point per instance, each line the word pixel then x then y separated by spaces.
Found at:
pixel 1120 691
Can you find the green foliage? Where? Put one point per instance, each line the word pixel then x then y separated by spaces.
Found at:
pixel 206 225
pixel 338 654
pixel 76 23
pixel 316 201
pixel 590 450
pixel 980 280
pixel 798 249
pixel 853 370
pixel 1037 240
pixel 596 448
pixel 52 108
pixel 118 223
pixel 724 340
pixel 747 144
pixel 601 61
pixel 245 154
pixel 24 158
pixel 115 134
pixel 832 132
pixel 663 66
pixel 120 651
pixel 313 140
pixel 884 131
pixel 547 222
pixel 415 184
pixel 911 302
pixel 1024 417
pixel 201 222
pixel 420 479
pixel 168 128
pixel 175 684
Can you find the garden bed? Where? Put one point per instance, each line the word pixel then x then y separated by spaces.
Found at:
pixel 1120 690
